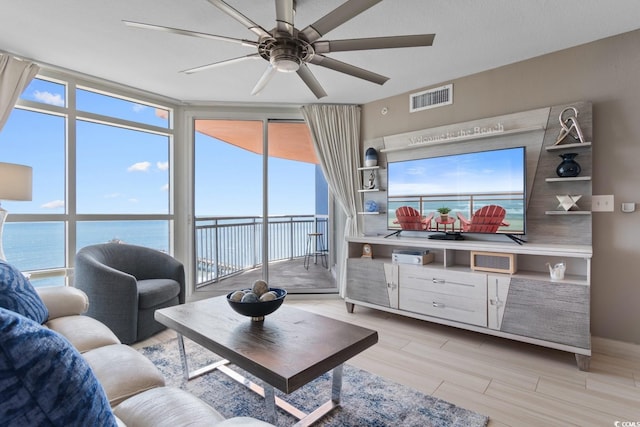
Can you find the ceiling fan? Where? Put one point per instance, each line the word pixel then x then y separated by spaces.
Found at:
pixel 288 49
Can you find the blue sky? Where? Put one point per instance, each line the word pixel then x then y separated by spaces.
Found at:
pixel 126 171
pixel 485 171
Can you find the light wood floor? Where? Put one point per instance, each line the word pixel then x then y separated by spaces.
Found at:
pixel 515 384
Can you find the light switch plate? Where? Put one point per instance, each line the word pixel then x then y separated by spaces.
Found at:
pixel 602 203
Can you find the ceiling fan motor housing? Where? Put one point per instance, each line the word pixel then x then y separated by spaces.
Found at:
pixel 285 53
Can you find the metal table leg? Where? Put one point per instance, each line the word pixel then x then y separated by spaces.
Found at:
pixel 267 391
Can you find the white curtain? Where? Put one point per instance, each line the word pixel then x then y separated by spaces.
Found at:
pixel 335 131
pixel 15 75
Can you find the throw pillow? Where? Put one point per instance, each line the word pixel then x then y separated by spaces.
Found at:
pixel 45 381
pixel 18 294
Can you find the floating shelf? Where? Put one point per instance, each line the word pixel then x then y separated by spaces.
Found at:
pixel 574 178
pixel 568 146
pixel 370 213
pixel 367 190
pixel 567 213
pixel 368 168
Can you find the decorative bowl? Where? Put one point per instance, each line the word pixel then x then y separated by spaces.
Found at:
pixel 257 310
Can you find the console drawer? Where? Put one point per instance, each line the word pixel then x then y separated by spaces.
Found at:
pixel 452 307
pixel 454 283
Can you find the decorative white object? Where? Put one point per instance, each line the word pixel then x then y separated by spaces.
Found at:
pixel 568 202
pixel 15 184
pixel 570 126
pixel 557 271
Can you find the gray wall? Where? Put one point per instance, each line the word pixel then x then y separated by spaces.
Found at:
pixel 605 73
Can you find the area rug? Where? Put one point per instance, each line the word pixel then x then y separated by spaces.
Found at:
pixel 366 399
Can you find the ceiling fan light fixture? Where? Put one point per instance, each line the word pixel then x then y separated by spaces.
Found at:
pixel 286 65
pixel 285 60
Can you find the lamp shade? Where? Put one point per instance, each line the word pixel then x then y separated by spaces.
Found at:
pixel 15 181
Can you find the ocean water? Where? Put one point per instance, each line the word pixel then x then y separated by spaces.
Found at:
pixel 41 245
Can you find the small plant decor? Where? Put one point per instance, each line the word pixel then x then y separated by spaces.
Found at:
pixel 444 212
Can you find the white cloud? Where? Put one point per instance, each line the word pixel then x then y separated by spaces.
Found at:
pixel 164 187
pixel 139 107
pixel 112 196
pixel 132 200
pixel 54 204
pixel 139 167
pixel 49 98
pixel 163 166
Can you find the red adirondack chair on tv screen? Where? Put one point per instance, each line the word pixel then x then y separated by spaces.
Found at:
pixel 410 219
pixel 485 220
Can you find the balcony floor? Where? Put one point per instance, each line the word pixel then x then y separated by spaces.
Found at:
pixel 290 275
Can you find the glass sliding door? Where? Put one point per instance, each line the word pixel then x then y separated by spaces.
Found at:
pixel 298 211
pixel 254 213
pixel 228 199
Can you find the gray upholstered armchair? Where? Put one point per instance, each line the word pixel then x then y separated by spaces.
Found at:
pixel 126 284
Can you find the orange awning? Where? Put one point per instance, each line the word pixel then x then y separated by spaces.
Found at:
pixel 287 140
pixel 290 141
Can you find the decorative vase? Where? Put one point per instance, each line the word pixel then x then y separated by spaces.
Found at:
pixel 371 206
pixel 371 157
pixel 568 167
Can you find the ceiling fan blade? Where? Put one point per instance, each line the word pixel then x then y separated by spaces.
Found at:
pixel 252 26
pixel 352 70
pixel 374 43
pixel 266 76
pixel 335 18
pixel 284 16
pixel 310 80
pixel 142 25
pixel 220 63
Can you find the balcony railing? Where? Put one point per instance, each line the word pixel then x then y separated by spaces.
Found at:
pixel 226 246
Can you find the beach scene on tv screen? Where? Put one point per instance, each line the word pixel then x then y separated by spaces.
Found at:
pixel 484 192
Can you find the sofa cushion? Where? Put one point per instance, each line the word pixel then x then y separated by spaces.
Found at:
pixel 18 295
pixel 123 372
pixel 154 292
pixel 167 406
pixel 83 332
pixel 44 380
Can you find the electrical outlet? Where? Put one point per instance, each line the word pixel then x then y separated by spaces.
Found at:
pixel 602 203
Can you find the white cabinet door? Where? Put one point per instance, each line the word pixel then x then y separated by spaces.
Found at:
pixel 497 290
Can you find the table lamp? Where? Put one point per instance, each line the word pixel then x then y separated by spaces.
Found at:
pixel 15 184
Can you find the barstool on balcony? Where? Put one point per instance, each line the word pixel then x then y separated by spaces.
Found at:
pixel 315 249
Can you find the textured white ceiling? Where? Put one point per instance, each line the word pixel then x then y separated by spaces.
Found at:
pixel 89 37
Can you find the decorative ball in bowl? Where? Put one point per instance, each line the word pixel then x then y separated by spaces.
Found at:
pixel 258 301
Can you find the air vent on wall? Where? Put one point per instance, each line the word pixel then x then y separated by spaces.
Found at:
pixel 431 98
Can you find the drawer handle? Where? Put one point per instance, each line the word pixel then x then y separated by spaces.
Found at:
pixel 441 281
pixel 392 285
pixel 437 304
pixel 497 302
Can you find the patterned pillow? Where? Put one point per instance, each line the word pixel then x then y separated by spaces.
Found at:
pixel 17 294
pixel 44 380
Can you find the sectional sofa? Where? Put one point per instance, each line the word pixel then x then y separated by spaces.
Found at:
pixel 60 368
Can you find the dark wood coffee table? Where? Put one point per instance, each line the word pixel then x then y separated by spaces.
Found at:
pixel 290 348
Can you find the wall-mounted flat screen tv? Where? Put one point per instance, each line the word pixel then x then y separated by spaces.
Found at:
pixel 476 192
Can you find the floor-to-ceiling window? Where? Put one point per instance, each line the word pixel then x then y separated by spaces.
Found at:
pixel 254 213
pixel 101 172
